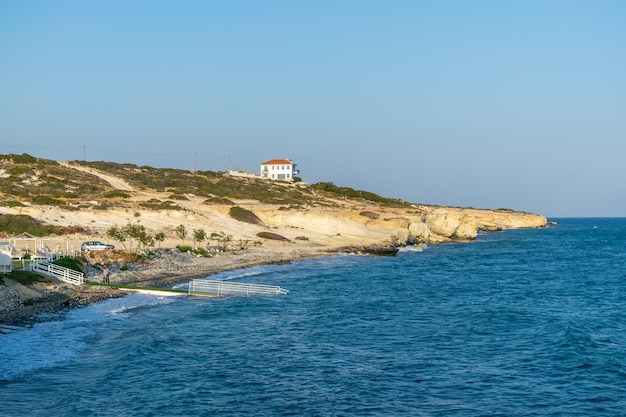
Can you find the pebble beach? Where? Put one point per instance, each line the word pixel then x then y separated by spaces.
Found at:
pixel 25 305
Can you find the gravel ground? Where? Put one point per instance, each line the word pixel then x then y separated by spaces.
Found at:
pixel 25 305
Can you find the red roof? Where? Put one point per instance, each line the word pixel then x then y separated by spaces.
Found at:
pixel 278 162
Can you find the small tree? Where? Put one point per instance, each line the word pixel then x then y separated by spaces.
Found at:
pixel 159 237
pixel 118 235
pixel 181 232
pixel 223 241
pixel 131 233
pixel 145 239
pixel 199 235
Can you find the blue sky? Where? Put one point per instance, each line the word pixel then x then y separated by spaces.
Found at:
pixel 487 104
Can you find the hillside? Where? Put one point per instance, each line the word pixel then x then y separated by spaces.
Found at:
pixel 94 196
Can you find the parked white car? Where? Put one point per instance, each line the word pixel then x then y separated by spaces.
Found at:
pixel 95 245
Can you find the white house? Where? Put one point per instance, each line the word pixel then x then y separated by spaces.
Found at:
pixel 279 169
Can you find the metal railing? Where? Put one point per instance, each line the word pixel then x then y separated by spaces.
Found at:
pixel 219 288
pixel 64 274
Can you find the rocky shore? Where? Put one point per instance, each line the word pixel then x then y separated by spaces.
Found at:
pixel 28 304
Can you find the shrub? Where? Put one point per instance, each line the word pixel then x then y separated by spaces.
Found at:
pixel 223 240
pixel 44 200
pixel 70 263
pixel 70 230
pixel 352 193
pixel 23 159
pixel 155 204
pixel 272 236
pixel 178 197
pixel 218 200
pixel 184 248
pixel 14 224
pixel 244 215
pixel 12 203
pixel 17 171
pixel 116 194
pixel 200 251
pixel 370 215
pixel 26 277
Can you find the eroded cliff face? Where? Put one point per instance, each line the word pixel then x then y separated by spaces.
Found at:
pixel 332 227
pixel 423 224
pixel 320 219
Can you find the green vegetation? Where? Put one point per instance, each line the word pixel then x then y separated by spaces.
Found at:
pixel 195 251
pixel 156 204
pixel 116 194
pixel 329 187
pixel 25 277
pixel 134 234
pixel 14 224
pixel 44 200
pixel 244 215
pixel 218 200
pixel 184 248
pixel 74 264
pixel 199 236
pixel 217 187
pixel 45 182
pixel 19 159
pixel 181 232
pixel 223 240
pixel 159 237
pixel 201 252
pixel 178 197
pixel 11 203
pixel 27 179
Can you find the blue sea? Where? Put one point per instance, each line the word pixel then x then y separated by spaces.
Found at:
pixel 517 323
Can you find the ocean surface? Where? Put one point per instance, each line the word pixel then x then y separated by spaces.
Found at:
pixel 517 323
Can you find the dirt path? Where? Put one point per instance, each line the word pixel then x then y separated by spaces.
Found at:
pixel 114 181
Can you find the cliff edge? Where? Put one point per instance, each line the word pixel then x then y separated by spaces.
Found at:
pixel 93 197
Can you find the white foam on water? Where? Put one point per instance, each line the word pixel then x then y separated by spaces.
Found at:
pixel 411 248
pixel 57 341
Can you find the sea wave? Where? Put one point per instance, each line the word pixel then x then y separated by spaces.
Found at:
pixel 63 336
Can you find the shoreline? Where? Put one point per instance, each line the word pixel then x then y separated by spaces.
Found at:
pixel 27 305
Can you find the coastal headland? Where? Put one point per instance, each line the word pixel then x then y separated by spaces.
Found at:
pixel 240 222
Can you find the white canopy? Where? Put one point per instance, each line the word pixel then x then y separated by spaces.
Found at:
pixel 5 263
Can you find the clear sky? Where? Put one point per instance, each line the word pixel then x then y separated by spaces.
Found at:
pixel 487 104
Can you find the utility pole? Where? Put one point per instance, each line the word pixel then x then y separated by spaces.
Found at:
pixel 84 153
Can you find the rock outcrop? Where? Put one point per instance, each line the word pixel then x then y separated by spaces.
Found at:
pixel 309 216
pixel 428 225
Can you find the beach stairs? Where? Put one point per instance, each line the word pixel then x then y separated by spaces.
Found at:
pixel 59 272
pixel 214 288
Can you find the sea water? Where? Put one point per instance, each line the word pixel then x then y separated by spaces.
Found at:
pixel 516 323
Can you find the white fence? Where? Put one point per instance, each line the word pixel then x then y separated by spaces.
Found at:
pixel 212 287
pixel 64 274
